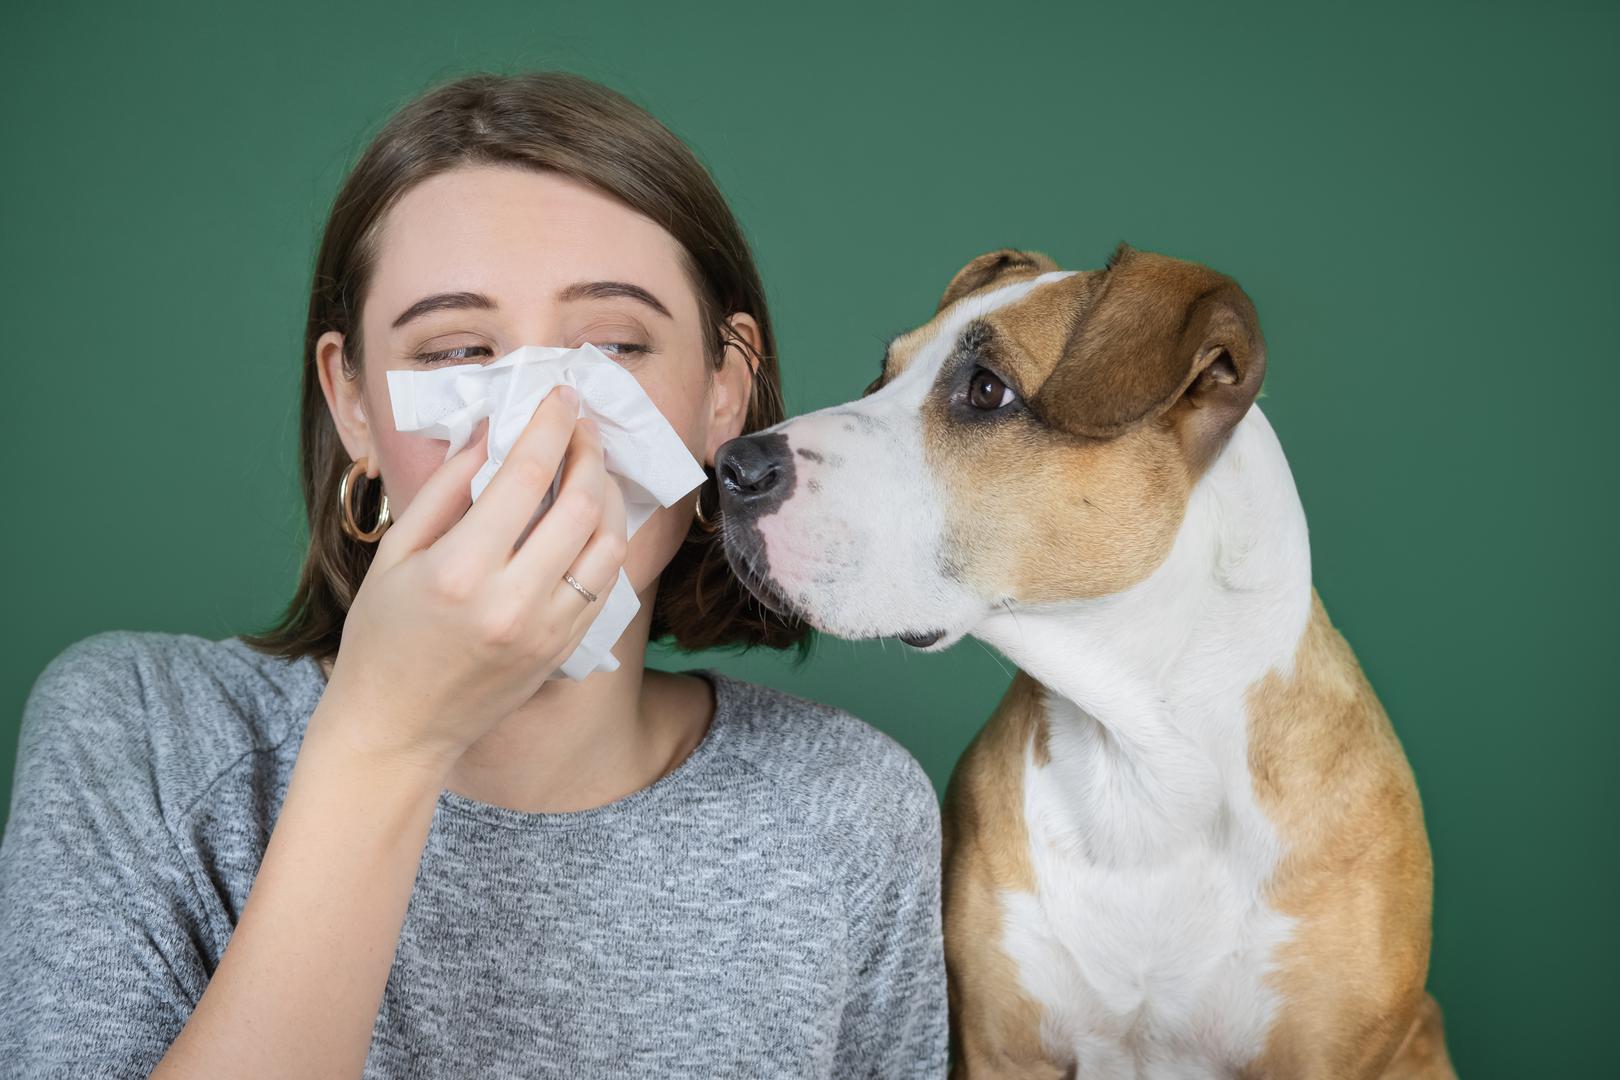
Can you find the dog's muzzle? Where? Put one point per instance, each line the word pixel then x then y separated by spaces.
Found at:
pixel 755 477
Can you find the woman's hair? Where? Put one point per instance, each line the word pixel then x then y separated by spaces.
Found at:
pixel 569 125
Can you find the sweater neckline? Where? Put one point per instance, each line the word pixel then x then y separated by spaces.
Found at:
pixel 726 706
pixel 682 775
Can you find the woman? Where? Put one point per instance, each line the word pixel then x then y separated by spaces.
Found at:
pixel 375 838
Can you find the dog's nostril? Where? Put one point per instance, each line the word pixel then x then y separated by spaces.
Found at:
pixel 747 469
pixel 749 481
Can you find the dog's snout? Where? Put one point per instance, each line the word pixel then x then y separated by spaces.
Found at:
pixel 754 467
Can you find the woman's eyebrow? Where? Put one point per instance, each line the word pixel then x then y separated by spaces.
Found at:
pixel 450 301
pixel 602 290
pixel 580 290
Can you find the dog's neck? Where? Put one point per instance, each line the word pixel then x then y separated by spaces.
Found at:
pixel 1163 667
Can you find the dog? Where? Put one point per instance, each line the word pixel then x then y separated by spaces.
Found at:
pixel 1188 842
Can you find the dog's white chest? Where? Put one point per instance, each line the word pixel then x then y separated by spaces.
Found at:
pixel 1147 940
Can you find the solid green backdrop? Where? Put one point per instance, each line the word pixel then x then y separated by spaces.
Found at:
pixel 1423 201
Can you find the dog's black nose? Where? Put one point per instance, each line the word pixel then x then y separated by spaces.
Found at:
pixel 754 467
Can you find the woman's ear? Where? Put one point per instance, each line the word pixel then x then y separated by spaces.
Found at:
pixel 343 400
pixel 732 384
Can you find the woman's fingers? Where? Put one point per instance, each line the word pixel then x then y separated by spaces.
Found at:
pixel 437 505
pixel 556 540
pixel 597 567
pixel 486 533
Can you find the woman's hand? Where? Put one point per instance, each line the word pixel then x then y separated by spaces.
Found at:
pixel 461 617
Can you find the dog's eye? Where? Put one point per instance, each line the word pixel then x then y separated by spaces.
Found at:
pixel 987 391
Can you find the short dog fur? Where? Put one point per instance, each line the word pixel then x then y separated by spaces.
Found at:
pixel 1188 842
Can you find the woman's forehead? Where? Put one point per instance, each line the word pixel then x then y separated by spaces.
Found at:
pixel 522 236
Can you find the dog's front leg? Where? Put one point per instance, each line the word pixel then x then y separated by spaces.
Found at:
pixel 995 1026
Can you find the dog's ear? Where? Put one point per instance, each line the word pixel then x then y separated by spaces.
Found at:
pixel 995 267
pixel 1157 334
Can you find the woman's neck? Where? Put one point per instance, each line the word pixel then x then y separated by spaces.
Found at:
pixel 578 745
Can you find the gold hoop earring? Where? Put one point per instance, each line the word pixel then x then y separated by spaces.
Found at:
pixel 350 525
pixel 706 523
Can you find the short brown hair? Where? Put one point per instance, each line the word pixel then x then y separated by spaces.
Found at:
pixel 565 124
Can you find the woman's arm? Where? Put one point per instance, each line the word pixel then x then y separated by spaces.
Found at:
pixel 299 985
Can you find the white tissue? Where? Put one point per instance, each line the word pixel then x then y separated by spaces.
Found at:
pixel 646 455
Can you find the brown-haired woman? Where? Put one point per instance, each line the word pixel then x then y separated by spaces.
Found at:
pixel 376 839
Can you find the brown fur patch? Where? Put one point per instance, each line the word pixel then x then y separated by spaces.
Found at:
pixel 1042 514
pixel 1329 772
pixel 1423 1055
pixel 1157 333
pixel 1071 520
pixel 1032 333
pixel 994 268
pixel 1132 376
pixel 995 1026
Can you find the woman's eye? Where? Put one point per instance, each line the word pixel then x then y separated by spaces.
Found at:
pixel 620 348
pixel 471 353
pixel 458 353
pixel 986 391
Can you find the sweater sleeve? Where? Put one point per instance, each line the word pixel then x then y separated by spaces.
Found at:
pixel 895 1021
pixel 101 929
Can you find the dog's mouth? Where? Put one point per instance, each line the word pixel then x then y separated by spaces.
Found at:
pixel 921 639
pixel 747 555
pixel 745 551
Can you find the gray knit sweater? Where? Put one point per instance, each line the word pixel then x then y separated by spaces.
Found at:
pixel 769 908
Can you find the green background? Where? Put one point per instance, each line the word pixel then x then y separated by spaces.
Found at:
pixel 1421 199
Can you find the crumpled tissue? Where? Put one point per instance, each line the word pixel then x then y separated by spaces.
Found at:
pixel 643 453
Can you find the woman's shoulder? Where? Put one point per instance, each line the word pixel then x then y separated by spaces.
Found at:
pixel 164 673
pixel 171 707
pixel 821 753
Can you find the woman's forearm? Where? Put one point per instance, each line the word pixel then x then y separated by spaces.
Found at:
pixel 298 988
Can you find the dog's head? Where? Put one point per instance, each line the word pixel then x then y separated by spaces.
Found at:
pixel 1035 441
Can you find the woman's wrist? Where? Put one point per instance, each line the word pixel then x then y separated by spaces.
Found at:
pixel 334 730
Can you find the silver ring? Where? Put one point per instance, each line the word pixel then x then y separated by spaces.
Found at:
pixel 590 597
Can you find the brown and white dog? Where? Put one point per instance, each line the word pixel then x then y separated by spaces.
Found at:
pixel 1188 842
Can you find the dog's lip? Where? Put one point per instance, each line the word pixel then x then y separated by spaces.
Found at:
pixel 921 639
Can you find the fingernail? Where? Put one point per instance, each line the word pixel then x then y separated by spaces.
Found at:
pixel 569 395
pixel 589 424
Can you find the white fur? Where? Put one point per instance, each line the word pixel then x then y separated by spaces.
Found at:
pixel 1148 940
pixel 861 559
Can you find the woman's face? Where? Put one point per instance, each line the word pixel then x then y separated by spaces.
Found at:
pixel 537 246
